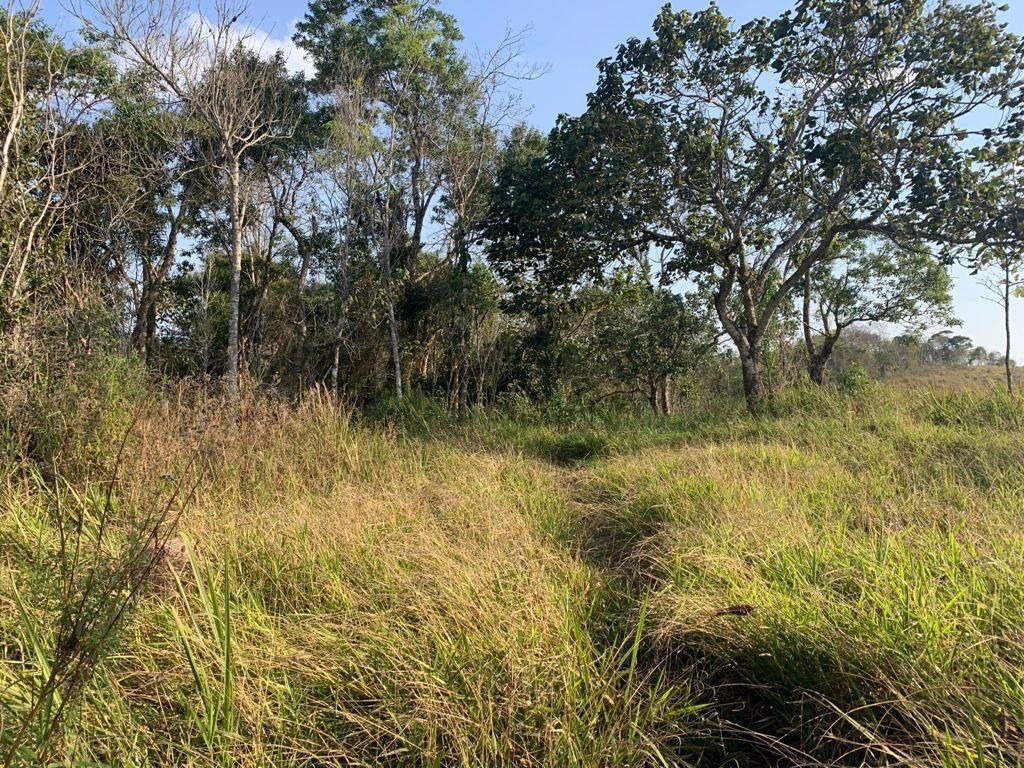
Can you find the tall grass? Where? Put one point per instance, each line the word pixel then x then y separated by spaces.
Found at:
pixel 834 582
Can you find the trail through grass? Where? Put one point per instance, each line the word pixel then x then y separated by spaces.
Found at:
pixel 836 583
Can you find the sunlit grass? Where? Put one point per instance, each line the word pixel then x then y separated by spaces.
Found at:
pixel 837 581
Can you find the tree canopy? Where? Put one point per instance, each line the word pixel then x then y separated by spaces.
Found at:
pixel 748 151
pixel 391 225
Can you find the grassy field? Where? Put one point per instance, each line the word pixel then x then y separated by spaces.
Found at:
pixel 838 582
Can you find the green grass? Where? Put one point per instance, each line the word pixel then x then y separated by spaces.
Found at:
pixel 839 581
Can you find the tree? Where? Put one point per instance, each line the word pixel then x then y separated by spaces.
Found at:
pixel 870 283
pixel 646 335
pixel 240 98
pixel 413 65
pixel 50 94
pixel 1006 190
pixel 750 151
pixel 947 348
pixel 416 73
pixel 141 199
pixel 292 177
pixel 348 143
pixel 386 225
pixel 1001 285
pixel 210 76
pixel 468 149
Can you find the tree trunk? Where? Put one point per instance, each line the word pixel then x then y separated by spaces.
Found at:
pixel 464 364
pixel 342 283
pixel 150 340
pixel 144 333
pixel 1006 322
pixel 234 296
pixel 302 320
pixel 140 333
pixel 753 376
pixel 204 308
pixel 389 300
pixel 666 395
pixel 481 384
pixel 261 281
pixel 395 347
pixel 463 395
pixel 817 357
pixel 153 280
pixel 816 369
pixel 817 373
pixel 304 244
pixel 339 339
pixel 653 396
pixel 746 337
pixel 335 364
pixel 817 363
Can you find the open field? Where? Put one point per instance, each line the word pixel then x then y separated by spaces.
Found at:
pixel 980 377
pixel 843 587
pixel 369 399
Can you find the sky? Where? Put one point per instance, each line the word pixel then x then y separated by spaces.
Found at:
pixel 568 38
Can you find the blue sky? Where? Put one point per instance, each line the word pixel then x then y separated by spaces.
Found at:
pixel 569 37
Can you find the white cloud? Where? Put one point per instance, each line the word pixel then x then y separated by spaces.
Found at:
pixel 267 44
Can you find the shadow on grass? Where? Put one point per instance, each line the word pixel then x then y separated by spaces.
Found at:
pixel 775 692
pixel 574 448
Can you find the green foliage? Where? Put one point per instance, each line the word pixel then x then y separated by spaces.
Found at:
pixel 748 180
pixel 646 334
pixel 854 379
pixel 886 284
pixel 389 36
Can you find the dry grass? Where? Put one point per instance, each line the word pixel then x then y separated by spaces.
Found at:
pixel 978 377
pixel 835 584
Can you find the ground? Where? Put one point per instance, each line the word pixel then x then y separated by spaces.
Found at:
pixel 836 581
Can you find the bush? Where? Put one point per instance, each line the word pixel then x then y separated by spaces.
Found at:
pixel 853 378
pixel 78 418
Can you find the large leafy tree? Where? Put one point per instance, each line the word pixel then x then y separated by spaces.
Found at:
pixel 749 151
pixel 411 61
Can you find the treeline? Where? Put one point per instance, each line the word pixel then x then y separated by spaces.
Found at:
pixel 734 200
pixel 883 356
